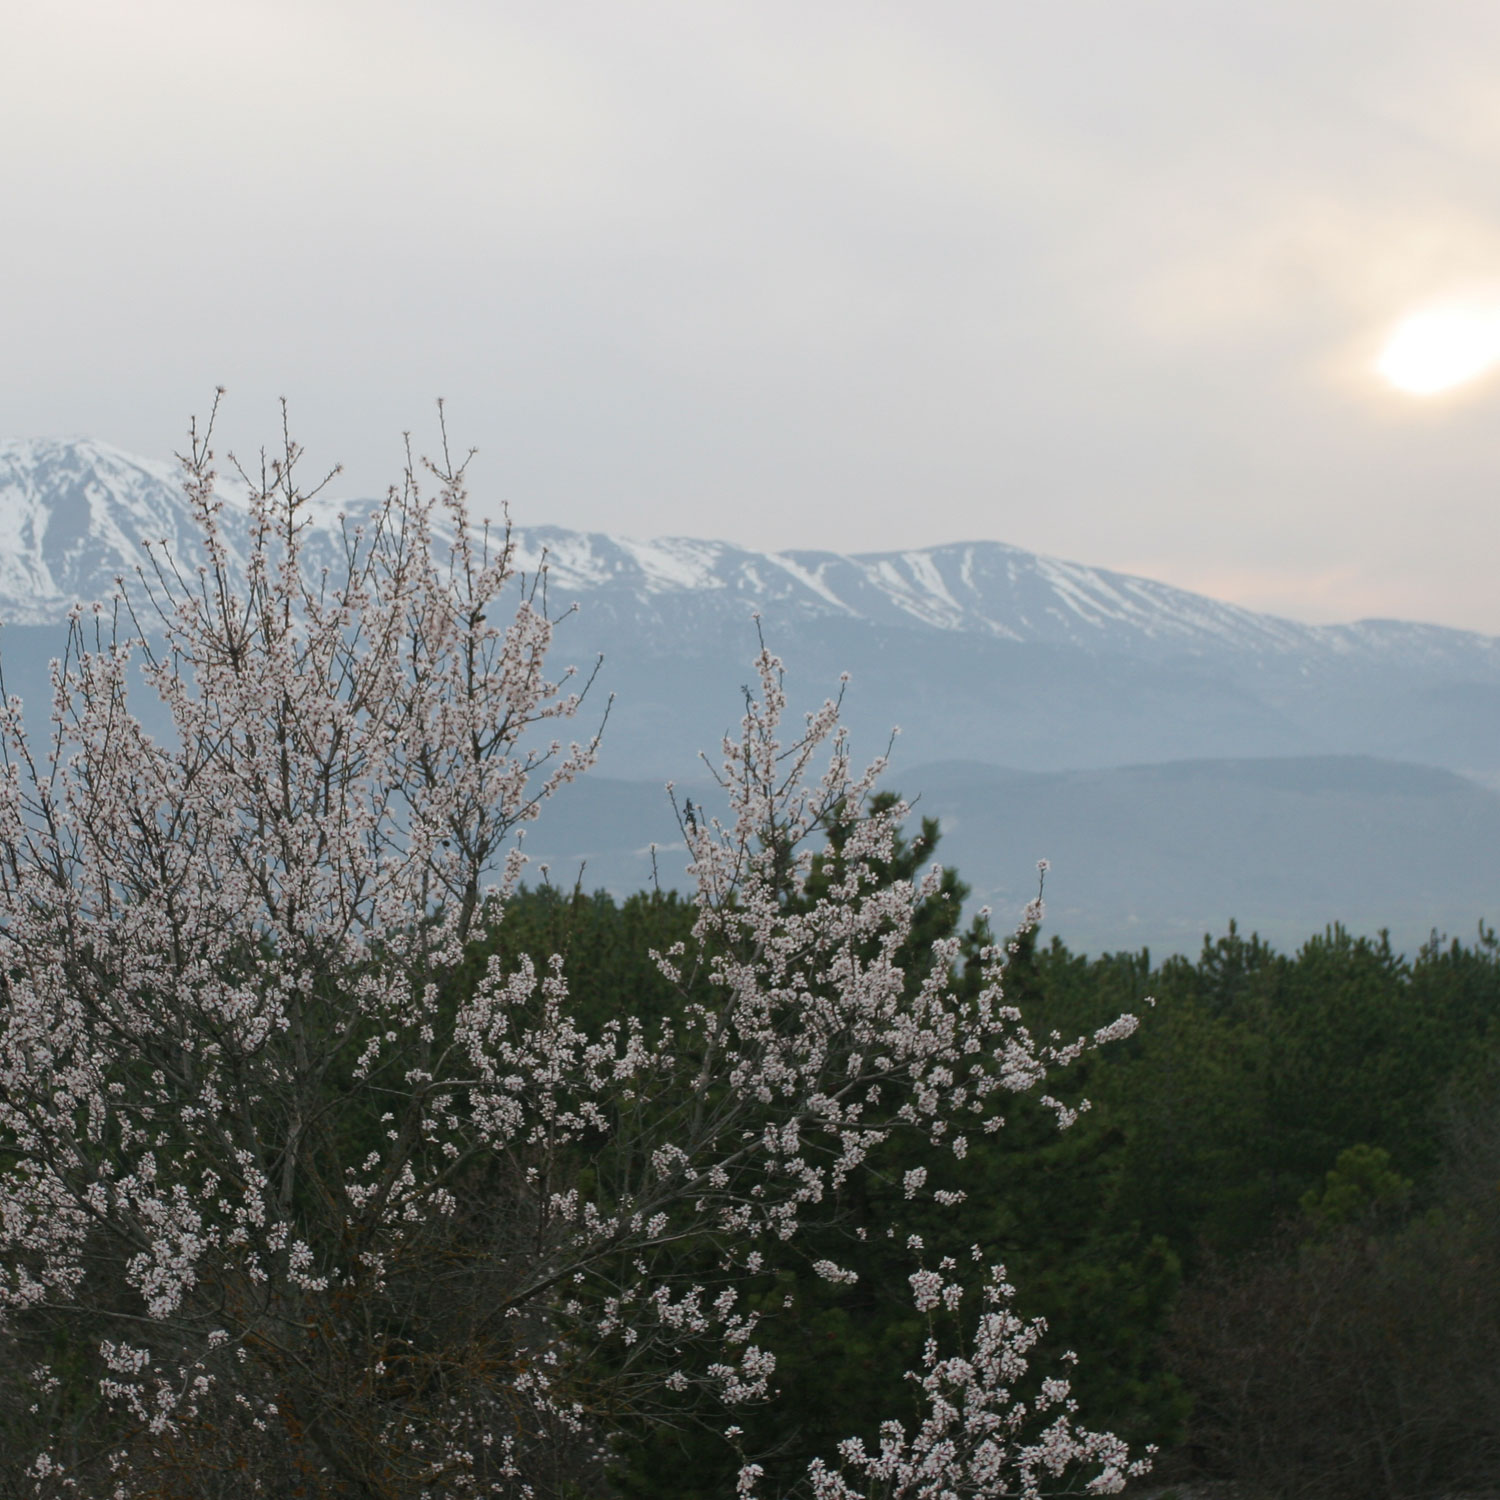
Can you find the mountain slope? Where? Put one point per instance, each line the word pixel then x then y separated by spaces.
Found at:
pixel 977 649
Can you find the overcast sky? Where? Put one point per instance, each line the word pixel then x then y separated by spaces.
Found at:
pixel 1107 280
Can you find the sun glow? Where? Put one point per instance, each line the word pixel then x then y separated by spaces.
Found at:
pixel 1434 351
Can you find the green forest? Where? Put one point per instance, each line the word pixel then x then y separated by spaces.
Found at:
pixel 1271 1231
pixel 1272 1236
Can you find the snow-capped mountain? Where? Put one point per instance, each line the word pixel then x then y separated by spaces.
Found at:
pixel 72 518
pixel 980 650
pixel 73 515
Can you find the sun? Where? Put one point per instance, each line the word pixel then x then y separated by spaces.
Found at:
pixel 1436 350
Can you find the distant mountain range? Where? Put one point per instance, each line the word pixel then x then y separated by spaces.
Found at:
pixel 1196 760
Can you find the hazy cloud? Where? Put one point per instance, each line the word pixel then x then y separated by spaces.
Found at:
pixel 1108 280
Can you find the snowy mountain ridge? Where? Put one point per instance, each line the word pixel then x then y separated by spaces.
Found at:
pixel 73 513
pixel 987 589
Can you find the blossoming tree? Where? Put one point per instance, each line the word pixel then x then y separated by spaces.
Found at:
pixel 291 1202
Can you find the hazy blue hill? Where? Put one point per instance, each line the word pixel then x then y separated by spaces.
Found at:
pixel 1020 704
pixel 1037 706
pixel 1155 854
pixel 1165 852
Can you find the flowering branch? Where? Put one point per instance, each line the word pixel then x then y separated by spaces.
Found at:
pixel 321 1209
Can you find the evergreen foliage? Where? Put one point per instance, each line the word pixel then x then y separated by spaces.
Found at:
pixel 1272 1106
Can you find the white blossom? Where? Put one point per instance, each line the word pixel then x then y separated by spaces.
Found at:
pixel 248 1084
